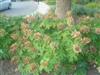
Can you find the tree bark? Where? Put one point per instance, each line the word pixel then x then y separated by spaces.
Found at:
pixel 62 6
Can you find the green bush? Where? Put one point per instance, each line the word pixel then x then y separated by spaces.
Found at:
pixel 49 45
pixel 93 5
pixel 83 1
pixel 50 2
pixel 84 10
pixel 8 25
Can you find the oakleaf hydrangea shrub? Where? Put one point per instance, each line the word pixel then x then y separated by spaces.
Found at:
pixel 49 45
pixel 8 25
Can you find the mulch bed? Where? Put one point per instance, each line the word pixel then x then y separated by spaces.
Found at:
pixel 7 68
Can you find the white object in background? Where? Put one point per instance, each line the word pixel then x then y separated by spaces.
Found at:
pixel 43 8
pixel 5 4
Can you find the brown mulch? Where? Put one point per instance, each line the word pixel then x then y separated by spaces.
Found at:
pixel 7 68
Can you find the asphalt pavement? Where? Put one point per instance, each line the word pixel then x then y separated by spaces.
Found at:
pixel 21 8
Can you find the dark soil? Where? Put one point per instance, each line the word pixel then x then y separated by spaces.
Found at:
pixel 7 68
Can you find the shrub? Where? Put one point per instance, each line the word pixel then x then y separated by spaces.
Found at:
pixel 8 25
pixel 49 45
pixel 84 10
pixel 50 2
pixel 93 5
pixel 83 1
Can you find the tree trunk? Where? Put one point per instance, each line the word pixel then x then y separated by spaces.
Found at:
pixel 63 9
pixel 62 6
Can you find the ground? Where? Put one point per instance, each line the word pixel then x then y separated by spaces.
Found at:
pixel 27 8
pixel 6 68
pixel 21 8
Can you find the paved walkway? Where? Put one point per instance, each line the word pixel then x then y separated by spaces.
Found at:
pixel 26 8
pixel 21 8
